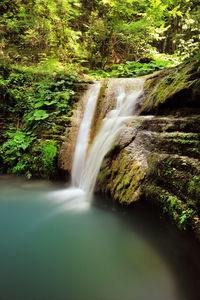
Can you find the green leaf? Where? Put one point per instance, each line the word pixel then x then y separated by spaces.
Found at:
pixel 39 104
pixel 40 115
pixel 49 103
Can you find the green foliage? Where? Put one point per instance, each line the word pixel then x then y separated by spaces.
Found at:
pixel 97 33
pixel 14 150
pixel 39 115
pixel 194 186
pixel 185 218
pixel 33 97
pixel 131 69
pixel 196 58
pixel 49 155
pixel 18 154
pixel 31 106
pixel 180 213
pixel 40 29
pixel 97 41
pixel 18 141
pixel 49 40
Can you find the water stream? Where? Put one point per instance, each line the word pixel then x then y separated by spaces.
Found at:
pixel 86 164
pixel 83 136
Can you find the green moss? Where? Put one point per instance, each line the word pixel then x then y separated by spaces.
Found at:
pixel 104 175
pixel 188 142
pixel 49 154
pixel 163 87
pixel 172 84
pixel 126 184
pixel 172 201
pixel 178 211
pixel 123 200
pixel 179 185
pixel 57 129
pixel 169 172
pixel 132 183
pixel 120 186
pixel 191 185
pixel 63 120
pixel 184 215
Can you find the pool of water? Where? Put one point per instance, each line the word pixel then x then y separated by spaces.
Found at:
pixel 55 246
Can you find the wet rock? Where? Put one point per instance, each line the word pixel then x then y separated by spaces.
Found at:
pixel 173 91
pixel 157 156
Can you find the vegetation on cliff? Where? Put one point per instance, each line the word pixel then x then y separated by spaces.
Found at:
pixel 36 106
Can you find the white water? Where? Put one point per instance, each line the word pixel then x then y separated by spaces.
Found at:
pixel 87 170
pixel 87 163
pixel 83 136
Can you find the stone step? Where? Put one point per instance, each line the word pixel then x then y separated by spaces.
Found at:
pixel 170 124
pixel 182 163
pixel 184 144
pixel 178 174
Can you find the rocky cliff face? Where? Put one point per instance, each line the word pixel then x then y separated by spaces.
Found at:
pixel 157 157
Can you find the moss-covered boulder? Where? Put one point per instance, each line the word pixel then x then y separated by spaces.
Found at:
pixel 175 90
pixel 157 156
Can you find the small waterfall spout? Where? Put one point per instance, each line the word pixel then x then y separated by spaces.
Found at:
pixel 83 136
pixel 87 164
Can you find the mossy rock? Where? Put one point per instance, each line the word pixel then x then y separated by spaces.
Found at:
pixel 172 89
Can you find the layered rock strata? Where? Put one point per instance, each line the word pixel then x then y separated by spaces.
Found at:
pixel 157 156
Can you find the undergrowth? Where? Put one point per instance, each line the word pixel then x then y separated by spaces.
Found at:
pixel 32 105
pixel 131 69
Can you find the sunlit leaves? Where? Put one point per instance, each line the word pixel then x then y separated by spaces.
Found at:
pixel 97 31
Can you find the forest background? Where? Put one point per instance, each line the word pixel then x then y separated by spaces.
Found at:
pixel 97 33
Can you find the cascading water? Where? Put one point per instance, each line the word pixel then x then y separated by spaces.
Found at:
pixel 86 166
pixel 74 198
pixel 120 102
pixel 83 136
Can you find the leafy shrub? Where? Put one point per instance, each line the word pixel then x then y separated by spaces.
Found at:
pixel 31 106
pixel 14 150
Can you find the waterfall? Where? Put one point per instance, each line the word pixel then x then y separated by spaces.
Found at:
pixel 87 163
pixel 83 136
pixel 103 119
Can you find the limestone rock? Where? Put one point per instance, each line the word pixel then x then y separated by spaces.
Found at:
pixel 157 156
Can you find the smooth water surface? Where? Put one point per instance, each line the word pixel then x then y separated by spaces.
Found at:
pixel 52 250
